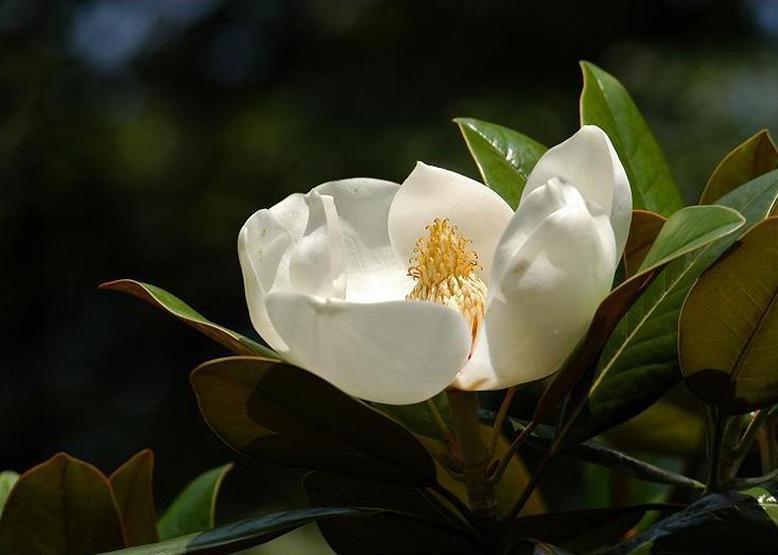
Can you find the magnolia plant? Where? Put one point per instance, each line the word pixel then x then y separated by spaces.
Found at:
pixel 432 347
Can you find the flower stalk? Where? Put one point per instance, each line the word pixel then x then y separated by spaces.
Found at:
pixel 474 453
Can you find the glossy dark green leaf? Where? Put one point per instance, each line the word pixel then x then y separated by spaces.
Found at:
pixel 642 234
pixel 431 418
pixel 238 536
pixel 606 104
pixel 639 362
pixel 8 479
pixel 689 229
pixel 61 507
pixel 504 157
pixel 194 509
pixel 132 488
pixel 728 331
pixel 416 522
pixel 728 522
pixel 582 530
pixel 278 413
pixel 756 156
pixel 235 342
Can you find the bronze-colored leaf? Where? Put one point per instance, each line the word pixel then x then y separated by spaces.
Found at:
pixel 61 507
pixel 755 156
pixel 728 342
pixel 642 233
pixel 132 488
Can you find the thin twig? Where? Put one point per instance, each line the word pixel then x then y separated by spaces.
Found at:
pixel 745 483
pixel 508 455
pixel 748 436
pixel 768 453
pixel 498 422
pixel 719 424
pixel 532 484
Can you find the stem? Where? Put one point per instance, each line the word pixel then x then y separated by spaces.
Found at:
pixel 532 484
pixel 720 421
pixel 498 422
pixel 748 436
pixel 768 451
pixel 743 446
pixel 475 458
pixel 508 455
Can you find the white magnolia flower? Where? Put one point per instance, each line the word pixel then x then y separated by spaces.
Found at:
pixel 394 292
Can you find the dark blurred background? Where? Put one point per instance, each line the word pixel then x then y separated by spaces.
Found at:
pixel 136 136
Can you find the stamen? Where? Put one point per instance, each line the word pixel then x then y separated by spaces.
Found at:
pixel 445 268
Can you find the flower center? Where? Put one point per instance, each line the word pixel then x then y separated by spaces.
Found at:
pixel 445 268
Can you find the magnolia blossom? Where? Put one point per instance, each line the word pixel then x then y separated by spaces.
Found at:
pixel 394 292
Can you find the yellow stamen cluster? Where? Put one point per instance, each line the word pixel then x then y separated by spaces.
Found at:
pixel 445 268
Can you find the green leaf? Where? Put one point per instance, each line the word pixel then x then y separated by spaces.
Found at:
pixel 8 479
pixel 194 509
pixel 61 507
pixel 727 522
pixel 278 413
pixel 756 156
pixel 431 418
pixel 131 484
pixel 607 104
pixel 639 362
pixel 728 331
pixel 504 157
pixel 235 342
pixel 416 522
pixel 689 229
pixel 238 536
pixel 582 530
pixel 642 234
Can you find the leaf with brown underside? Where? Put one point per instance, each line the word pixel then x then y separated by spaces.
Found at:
pixel 728 344
pixel 235 342
pixel 276 412
pixel 63 506
pixel 132 488
pixel 642 233
pixel 755 156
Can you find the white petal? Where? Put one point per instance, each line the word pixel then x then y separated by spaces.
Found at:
pixel 545 298
pixel 589 161
pixel 397 352
pixel 317 265
pixel 264 246
pixel 532 212
pixel 373 272
pixel 479 213
pixel 270 236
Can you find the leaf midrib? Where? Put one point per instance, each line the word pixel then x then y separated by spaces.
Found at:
pixel 664 295
pixel 740 362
